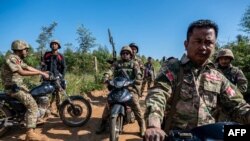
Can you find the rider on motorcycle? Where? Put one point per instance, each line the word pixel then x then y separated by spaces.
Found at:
pixel 12 74
pixel 126 67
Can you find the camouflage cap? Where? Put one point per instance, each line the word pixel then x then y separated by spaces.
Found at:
pixel 225 53
pixel 55 41
pixel 19 45
pixel 126 48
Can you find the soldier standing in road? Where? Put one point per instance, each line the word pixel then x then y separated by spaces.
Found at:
pixel 149 75
pixel 54 62
pixel 190 90
pixel 131 67
pixel 12 74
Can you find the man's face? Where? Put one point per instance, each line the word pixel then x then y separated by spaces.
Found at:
pixel 134 50
pixel 54 46
pixel 24 53
pixel 224 61
pixel 200 45
pixel 125 55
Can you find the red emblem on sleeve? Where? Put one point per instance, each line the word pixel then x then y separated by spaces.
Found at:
pixel 170 76
pixel 230 91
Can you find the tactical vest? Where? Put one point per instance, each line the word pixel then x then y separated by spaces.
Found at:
pixel 125 69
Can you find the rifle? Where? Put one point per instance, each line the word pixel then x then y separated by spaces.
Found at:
pixel 113 45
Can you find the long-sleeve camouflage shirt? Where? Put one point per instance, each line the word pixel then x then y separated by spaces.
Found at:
pixel 235 76
pixel 128 69
pixel 202 91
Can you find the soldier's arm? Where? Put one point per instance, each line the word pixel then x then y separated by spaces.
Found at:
pixel 241 82
pixel 233 103
pixel 29 71
pixel 137 71
pixel 63 66
pixel 156 100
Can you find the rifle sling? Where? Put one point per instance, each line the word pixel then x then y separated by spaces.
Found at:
pixel 176 94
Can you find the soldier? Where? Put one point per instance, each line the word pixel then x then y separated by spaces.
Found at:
pixel 131 67
pixel 190 90
pixel 232 73
pixel 149 75
pixel 54 62
pixel 135 50
pixel 12 74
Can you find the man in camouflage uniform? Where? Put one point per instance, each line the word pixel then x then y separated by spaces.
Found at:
pixel 232 73
pixel 131 67
pixel 135 50
pixel 195 84
pixel 149 75
pixel 12 74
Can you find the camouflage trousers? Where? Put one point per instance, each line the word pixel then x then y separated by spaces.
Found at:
pixel 148 81
pixel 135 106
pixel 32 109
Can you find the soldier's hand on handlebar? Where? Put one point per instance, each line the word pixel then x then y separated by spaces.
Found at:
pixel 45 75
pixel 154 134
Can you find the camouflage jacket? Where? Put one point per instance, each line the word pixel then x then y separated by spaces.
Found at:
pixel 235 76
pixel 10 67
pixel 130 69
pixel 202 90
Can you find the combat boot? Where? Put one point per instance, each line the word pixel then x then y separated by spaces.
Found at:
pixel 32 136
pixel 142 128
pixel 102 127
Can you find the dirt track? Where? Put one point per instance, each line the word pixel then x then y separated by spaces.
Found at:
pixel 57 131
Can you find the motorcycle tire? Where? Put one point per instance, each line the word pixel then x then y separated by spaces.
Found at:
pixel 71 111
pixel 4 113
pixel 116 124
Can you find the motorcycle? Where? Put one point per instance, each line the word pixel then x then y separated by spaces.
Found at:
pixel 74 111
pixel 209 132
pixel 118 100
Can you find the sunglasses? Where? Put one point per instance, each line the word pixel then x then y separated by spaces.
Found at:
pixel 126 53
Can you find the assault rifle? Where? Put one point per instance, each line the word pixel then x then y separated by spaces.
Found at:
pixel 113 46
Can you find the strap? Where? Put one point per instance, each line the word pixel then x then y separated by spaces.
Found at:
pixel 176 94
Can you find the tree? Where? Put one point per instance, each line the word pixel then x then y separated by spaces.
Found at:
pixel 245 21
pixel 45 36
pixel 85 39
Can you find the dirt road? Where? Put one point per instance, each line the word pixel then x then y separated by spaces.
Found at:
pixel 57 131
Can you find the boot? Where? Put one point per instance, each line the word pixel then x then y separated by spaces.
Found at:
pixel 102 127
pixel 142 128
pixel 32 136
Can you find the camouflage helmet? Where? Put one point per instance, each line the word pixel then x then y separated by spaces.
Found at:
pixel 55 41
pixel 225 53
pixel 126 48
pixel 135 46
pixel 19 45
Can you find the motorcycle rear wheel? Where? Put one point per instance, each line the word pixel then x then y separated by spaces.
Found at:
pixel 4 113
pixel 77 113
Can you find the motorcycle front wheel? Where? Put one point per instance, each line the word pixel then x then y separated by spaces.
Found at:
pixel 116 124
pixel 75 111
pixel 4 114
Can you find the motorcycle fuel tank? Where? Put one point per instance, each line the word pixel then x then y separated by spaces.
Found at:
pixel 42 89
